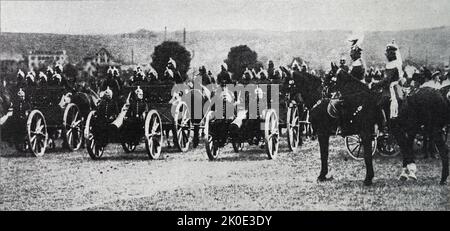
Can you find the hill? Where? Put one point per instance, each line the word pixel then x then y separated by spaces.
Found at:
pixel 210 48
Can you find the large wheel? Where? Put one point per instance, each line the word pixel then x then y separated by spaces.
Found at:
pixel 182 123
pixel 72 127
pixel 94 149
pixel 153 134
pixel 129 146
pixel 271 133
pixel 293 128
pixel 212 149
pixel 355 148
pixel 387 146
pixel 37 133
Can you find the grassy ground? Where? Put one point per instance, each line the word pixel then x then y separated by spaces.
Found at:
pixel 188 181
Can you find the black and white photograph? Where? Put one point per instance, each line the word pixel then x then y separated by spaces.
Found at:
pixel 224 105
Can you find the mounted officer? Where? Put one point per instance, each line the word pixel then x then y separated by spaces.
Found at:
pixel 224 77
pixel 30 78
pixel 138 77
pixel 171 73
pixel 58 78
pixel 358 68
pixel 21 82
pixel 42 79
pixel 152 75
pixel 111 83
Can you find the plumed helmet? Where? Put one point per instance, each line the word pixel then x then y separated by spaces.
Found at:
pixel 42 76
pixel 57 76
pixel 224 65
pixel 139 92
pixel 21 93
pixel 392 46
pixel 30 75
pixel 169 72
pixel 295 65
pixel 20 73
pixel 108 93
pixel 172 61
pixel 110 70
pixel 59 68
pixel 49 70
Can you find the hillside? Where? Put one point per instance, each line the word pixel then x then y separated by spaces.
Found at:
pixel 210 48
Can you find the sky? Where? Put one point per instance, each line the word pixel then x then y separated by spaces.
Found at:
pixel 114 16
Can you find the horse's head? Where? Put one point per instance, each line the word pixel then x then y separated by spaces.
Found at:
pixel 66 99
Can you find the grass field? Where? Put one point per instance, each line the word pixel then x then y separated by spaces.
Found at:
pixel 189 181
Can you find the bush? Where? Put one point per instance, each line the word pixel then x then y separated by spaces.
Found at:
pixel 168 49
pixel 239 58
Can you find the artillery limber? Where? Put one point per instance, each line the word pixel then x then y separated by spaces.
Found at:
pixel 243 114
pixel 44 113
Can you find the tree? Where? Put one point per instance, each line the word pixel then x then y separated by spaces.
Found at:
pixel 70 71
pixel 171 49
pixel 240 57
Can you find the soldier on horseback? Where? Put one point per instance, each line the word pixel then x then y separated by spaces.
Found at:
pixel 224 77
pixel 138 77
pixel 171 73
pixel 30 78
pixel 111 83
pixel 58 78
pixel 358 68
pixel 21 82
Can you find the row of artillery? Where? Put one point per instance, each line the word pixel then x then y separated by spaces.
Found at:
pixel 79 119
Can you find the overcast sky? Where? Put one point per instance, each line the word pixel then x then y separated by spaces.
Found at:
pixel 111 16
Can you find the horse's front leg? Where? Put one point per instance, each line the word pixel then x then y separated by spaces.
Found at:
pixel 324 141
pixel 366 139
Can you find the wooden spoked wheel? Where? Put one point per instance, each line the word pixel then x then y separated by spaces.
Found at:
pixel 182 123
pixel 293 128
pixel 72 127
pixel 93 147
pixel 153 134
pixel 271 133
pixel 37 133
pixel 355 148
pixel 212 149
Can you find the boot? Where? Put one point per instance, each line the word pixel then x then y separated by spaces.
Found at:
pixel 404 174
pixel 412 169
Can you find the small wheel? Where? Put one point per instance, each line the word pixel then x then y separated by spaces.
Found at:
pixel 293 128
pixel 237 146
pixel 129 146
pixel 212 149
pixel 37 133
pixel 94 149
pixel 387 146
pixel 72 127
pixel 182 123
pixel 153 134
pixel 271 133
pixel 355 149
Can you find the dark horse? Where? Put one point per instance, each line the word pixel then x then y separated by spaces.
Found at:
pixel 428 108
pixel 362 113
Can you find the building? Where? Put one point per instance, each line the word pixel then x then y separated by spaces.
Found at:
pixel 96 64
pixel 10 63
pixel 37 59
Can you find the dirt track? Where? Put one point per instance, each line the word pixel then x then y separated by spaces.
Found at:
pixel 188 181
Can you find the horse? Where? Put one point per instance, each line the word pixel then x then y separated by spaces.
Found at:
pixel 360 104
pixel 427 108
